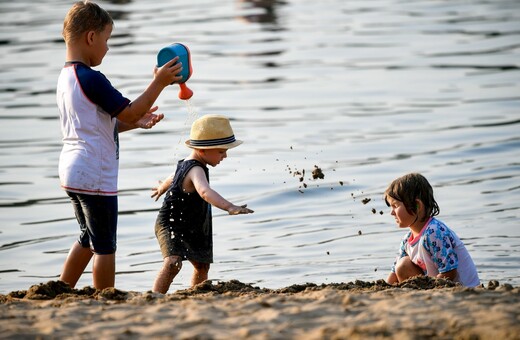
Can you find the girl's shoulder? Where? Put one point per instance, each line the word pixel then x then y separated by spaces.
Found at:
pixel 436 225
pixel 437 229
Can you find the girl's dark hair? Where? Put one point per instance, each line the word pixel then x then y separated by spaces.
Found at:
pixel 408 189
pixel 84 16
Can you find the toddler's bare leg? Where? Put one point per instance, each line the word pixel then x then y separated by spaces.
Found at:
pixel 200 272
pixel 171 267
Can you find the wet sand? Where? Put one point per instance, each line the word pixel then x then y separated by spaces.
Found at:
pixel 416 309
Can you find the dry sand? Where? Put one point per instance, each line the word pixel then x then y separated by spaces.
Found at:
pixel 421 308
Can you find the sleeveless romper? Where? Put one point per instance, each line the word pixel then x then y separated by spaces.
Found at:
pixel 183 226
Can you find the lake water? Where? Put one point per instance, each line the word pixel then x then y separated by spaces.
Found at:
pixel 365 90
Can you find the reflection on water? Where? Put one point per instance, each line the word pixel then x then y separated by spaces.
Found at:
pixel 366 91
pixel 265 11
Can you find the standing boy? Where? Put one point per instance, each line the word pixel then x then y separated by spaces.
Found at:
pixel 92 113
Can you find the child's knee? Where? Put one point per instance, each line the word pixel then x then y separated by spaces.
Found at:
pixel 403 262
pixel 173 263
pixel 201 267
pixel 405 268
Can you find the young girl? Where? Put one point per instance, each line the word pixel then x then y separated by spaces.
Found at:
pixel 430 247
pixel 184 226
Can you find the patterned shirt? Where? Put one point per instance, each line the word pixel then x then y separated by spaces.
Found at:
pixel 437 249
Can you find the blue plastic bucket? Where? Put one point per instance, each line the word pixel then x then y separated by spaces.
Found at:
pixel 168 53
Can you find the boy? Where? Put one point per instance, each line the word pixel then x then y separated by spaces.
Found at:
pixel 184 226
pixel 92 113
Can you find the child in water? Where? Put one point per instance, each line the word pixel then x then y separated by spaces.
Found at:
pixel 184 224
pixel 430 247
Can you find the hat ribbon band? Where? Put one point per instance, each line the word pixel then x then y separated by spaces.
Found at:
pixel 213 142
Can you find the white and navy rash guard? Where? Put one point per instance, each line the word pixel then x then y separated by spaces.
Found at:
pixel 88 105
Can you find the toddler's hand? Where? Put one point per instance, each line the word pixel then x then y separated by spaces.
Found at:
pixel 236 210
pixel 157 191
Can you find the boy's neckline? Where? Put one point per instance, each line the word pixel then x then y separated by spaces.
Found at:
pixel 72 62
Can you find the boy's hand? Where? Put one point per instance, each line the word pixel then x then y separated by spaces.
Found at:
pixel 168 73
pixel 236 210
pixel 149 119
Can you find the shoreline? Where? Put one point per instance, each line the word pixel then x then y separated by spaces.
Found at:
pixel 418 308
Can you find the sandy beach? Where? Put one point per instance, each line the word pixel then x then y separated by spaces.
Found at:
pixel 417 309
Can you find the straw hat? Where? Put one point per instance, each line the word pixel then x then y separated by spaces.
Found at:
pixel 212 132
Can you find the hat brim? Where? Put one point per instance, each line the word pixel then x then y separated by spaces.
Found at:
pixel 222 146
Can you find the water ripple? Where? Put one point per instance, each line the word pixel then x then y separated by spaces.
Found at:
pixel 358 88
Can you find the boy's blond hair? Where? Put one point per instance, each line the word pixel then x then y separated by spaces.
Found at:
pixel 84 16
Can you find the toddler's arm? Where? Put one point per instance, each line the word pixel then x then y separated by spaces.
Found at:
pixel 198 178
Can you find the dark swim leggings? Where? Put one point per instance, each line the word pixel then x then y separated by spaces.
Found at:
pixel 97 218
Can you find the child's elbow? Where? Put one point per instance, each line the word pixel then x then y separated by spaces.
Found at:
pixel 204 193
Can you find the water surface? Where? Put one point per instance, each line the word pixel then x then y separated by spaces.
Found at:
pixel 365 90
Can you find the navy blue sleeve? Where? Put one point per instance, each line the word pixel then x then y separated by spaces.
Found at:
pixel 100 91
